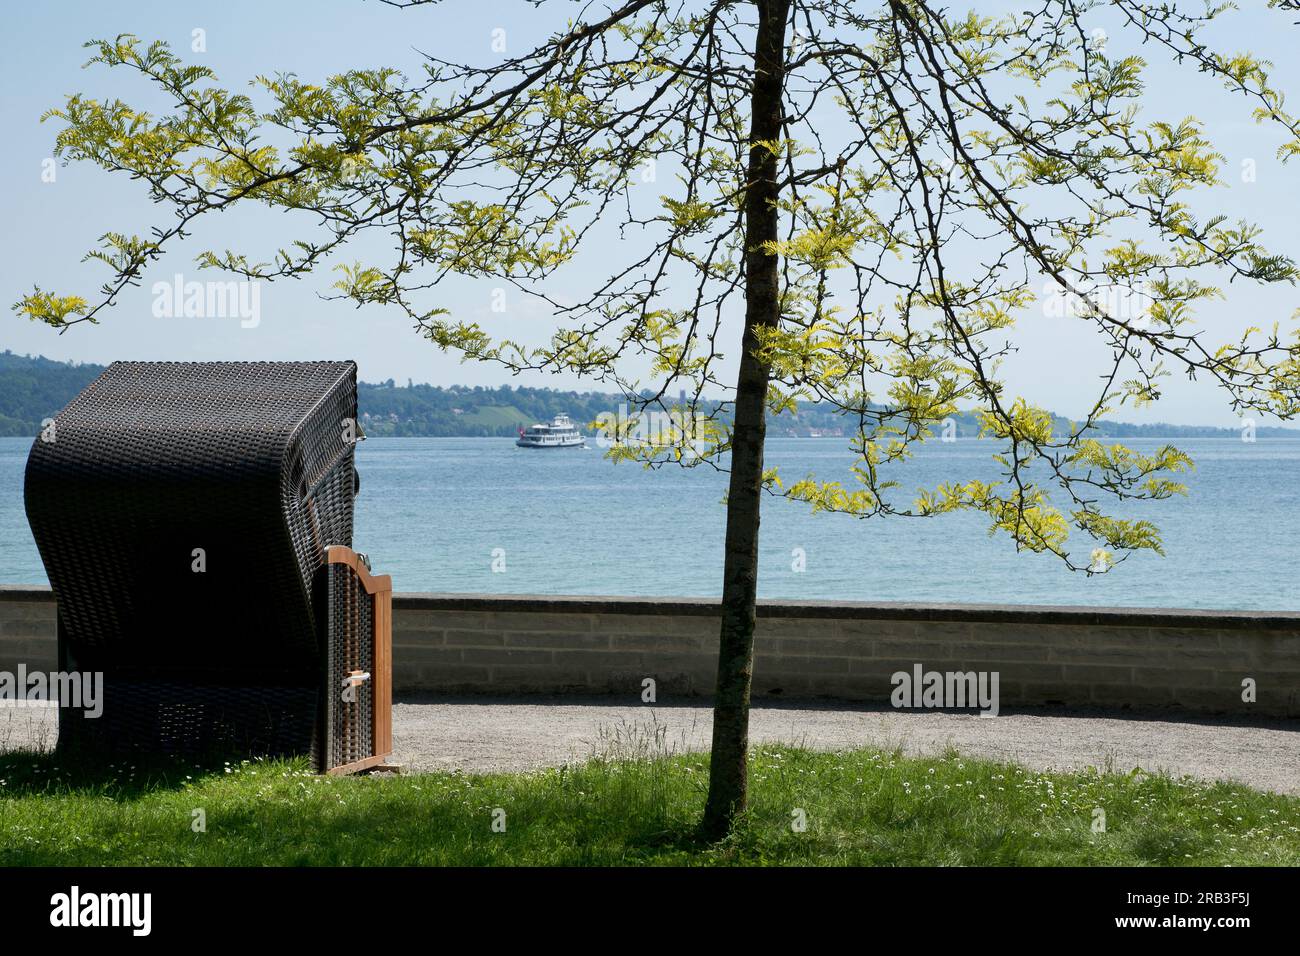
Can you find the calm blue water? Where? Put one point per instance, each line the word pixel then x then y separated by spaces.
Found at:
pixel 433 510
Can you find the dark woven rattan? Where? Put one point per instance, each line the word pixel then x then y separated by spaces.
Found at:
pixel 249 464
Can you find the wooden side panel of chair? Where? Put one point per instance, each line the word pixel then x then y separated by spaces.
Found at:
pixel 380 587
pixel 383 691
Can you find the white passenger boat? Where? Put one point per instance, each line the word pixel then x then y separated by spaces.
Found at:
pixel 560 433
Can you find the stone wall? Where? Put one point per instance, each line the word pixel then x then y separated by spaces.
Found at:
pixel 1194 661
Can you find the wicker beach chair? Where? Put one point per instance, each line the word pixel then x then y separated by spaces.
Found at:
pixel 195 520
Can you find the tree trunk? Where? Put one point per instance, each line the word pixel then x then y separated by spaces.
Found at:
pixel 728 776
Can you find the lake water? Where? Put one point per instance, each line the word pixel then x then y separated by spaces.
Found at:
pixel 433 511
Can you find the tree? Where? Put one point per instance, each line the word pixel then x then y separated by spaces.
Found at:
pixel 886 185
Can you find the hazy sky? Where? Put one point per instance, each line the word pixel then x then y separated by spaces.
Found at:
pixel 47 227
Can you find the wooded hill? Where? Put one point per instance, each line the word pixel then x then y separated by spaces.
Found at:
pixel 35 388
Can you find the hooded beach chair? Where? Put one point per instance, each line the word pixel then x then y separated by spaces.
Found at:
pixel 195 521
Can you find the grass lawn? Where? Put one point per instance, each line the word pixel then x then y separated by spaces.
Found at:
pixel 862 807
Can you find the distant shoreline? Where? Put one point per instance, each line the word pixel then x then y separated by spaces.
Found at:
pixel 1231 435
pixel 33 389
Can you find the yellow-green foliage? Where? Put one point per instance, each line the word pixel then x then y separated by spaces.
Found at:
pixel 936 169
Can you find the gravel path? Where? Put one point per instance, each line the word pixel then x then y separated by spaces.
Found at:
pixel 520 733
